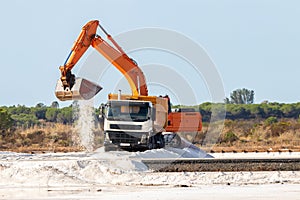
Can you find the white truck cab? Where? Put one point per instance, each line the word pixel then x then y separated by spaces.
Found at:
pixel 128 124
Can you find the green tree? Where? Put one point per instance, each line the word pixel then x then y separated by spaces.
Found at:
pixel 256 110
pixel 290 110
pixel 241 96
pixel 237 111
pixel 25 119
pixel 65 115
pixel 40 105
pixel 205 110
pixel 51 114
pixel 39 112
pixel 272 109
pixel 6 121
pixel 54 104
pixel 19 109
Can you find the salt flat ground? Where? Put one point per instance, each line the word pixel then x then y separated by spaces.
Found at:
pixel 224 192
pixel 122 175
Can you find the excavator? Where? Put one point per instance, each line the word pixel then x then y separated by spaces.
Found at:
pixel 135 121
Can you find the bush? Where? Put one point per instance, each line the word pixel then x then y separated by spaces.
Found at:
pixel 278 128
pixel 36 137
pixel 229 137
pixel 271 120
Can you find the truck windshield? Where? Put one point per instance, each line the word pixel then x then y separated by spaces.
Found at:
pixel 128 111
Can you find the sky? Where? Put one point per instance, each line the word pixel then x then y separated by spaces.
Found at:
pixel 254 44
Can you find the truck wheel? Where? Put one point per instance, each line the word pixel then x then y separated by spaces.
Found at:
pixel 156 141
pixel 161 140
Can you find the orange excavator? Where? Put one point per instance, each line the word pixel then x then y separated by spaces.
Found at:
pixel 136 121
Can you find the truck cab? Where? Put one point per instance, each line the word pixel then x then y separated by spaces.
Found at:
pixel 128 124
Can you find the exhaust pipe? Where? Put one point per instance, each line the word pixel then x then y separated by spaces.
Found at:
pixel 119 95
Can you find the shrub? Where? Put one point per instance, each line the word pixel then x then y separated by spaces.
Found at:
pixel 271 120
pixel 229 137
pixel 278 128
pixel 36 137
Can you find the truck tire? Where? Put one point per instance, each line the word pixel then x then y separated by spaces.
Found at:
pixel 156 141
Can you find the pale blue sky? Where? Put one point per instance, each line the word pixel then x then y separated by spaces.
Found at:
pixel 254 43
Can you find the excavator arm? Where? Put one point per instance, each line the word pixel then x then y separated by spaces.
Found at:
pixel 69 87
pixel 80 46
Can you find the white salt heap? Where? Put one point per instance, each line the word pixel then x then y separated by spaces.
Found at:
pixel 116 168
pixel 30 176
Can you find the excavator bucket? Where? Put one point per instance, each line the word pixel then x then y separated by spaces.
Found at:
pixel 82 90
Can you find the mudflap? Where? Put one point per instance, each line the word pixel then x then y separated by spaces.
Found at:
pixel 83 89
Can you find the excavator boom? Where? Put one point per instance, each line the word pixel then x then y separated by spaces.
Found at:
pixel 125 65
pixel 71 88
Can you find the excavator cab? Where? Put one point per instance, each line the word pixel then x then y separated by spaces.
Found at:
pixel 82 89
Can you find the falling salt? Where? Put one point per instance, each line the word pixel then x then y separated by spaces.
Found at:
pixel 85 124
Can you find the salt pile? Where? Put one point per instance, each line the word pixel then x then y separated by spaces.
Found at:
pixel 117 168
pixel 68 169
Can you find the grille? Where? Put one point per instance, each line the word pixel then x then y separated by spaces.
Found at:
pixel 122 137
pixel 126 126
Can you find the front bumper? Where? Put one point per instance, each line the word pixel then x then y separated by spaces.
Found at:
pixel 126 140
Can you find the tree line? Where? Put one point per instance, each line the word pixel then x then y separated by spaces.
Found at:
pixel 20 115
pixel 251 111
